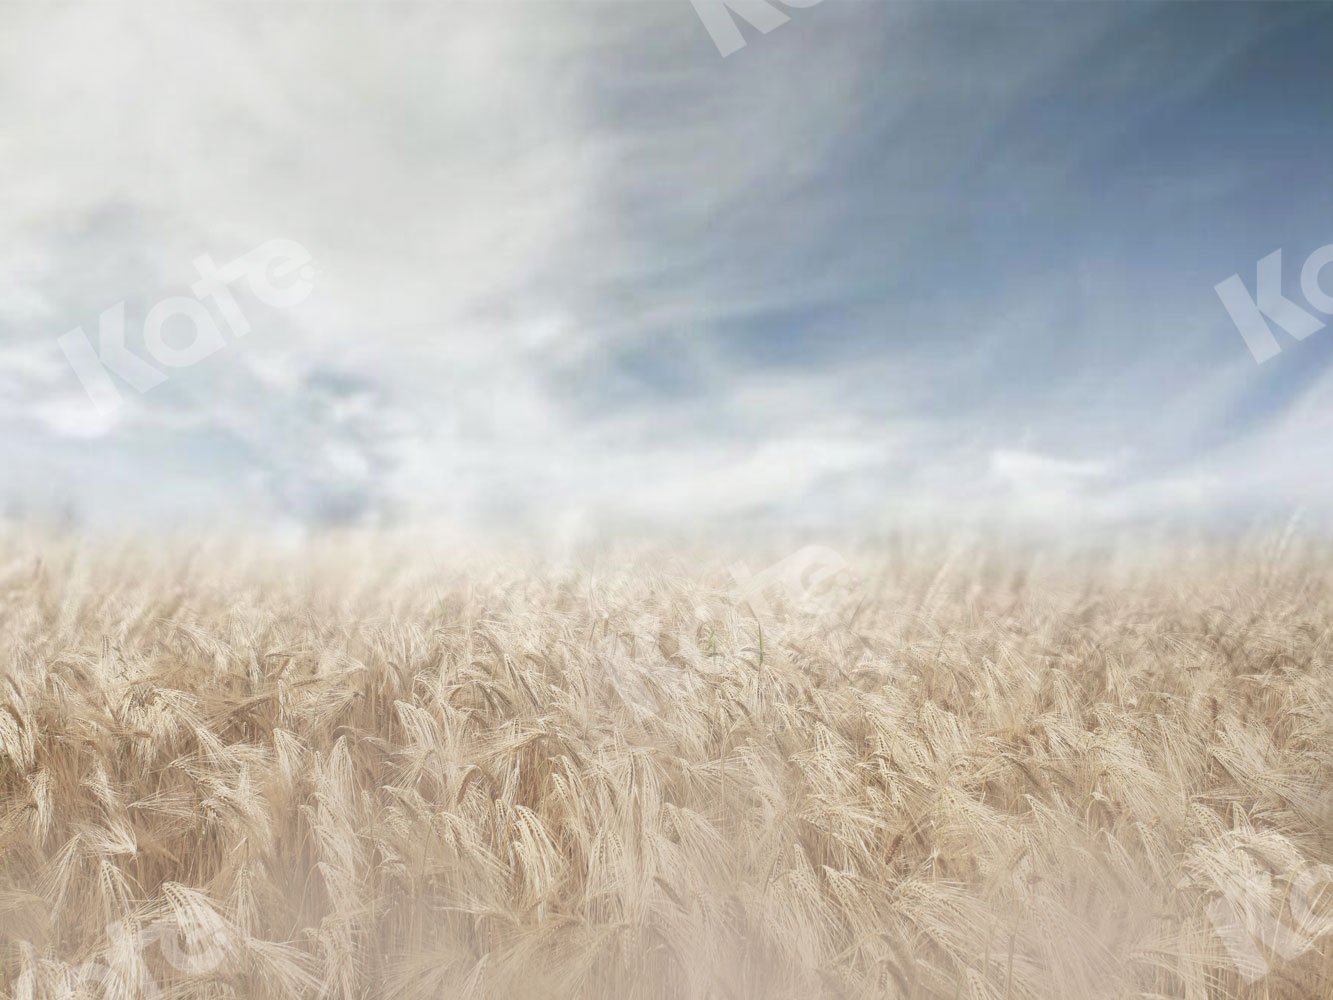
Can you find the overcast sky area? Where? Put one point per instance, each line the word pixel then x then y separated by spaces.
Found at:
pixel 886 262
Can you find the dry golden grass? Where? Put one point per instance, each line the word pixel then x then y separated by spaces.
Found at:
pixel 366 772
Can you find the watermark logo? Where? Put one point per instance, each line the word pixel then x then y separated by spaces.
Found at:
pixel 194 942
pixel 761 14
pixel 1250 926
pixel 806 578
pixel 653 660
pixel 263 268
pixel 1252 313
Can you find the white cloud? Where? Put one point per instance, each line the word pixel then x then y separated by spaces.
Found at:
pixel 569 259
pixel 1045 482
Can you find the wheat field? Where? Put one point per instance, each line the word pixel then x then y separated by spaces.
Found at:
pixel 356 769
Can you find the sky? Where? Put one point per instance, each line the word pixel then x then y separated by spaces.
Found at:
pixel 884 263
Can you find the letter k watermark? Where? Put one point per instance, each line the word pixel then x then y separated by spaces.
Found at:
pixel 111 356
pixel 1251 314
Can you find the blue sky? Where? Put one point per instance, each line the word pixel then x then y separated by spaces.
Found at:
pixel 887 262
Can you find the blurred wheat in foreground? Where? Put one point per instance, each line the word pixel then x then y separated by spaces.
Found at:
pixel 349 774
